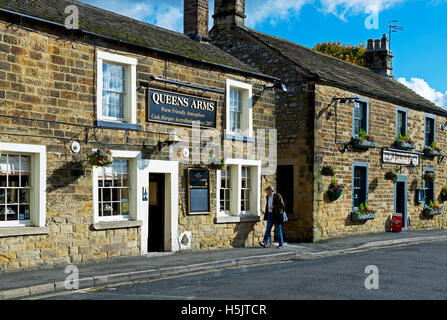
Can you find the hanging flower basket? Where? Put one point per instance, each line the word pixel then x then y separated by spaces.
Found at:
pixel 444 194
pixel 429 177
pixel 100 158
pixel 215 164
pixel 391 175
pixel 328 171
pixel 335 190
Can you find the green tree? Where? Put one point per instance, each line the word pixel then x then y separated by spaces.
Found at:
pixel 349 53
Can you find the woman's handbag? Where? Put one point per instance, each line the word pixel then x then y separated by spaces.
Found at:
pixel 284 217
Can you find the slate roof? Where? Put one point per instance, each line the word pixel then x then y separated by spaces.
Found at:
pixel 347 75
pixel 109 24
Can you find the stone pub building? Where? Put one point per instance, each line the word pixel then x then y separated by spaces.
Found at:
pixel 165 104
pixel 328 106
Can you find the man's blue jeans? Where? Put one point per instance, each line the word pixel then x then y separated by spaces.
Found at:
pixel 270 222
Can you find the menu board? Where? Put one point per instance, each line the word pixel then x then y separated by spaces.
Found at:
pixel 198 191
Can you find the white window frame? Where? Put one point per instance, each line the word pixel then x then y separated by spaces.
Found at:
pixel 132 157
pixel 38 205
pixel 247 108
pixel 130 105
pixel 235 213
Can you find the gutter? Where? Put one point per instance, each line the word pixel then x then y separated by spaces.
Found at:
pixel 123 42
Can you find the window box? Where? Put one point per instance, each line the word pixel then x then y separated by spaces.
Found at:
pixel 358 216
pixel 363 144
pixel 430 212
pixel 363 213
pixel 400 144
pixel 430 152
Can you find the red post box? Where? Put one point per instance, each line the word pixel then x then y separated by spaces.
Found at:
pixel 396 222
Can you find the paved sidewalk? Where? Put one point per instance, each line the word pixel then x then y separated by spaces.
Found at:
pixel 94 274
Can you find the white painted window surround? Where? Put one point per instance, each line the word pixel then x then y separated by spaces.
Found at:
pixel 235 215
pixel 130 104
pixel 132 157
pixel 38 182
pixel 246 115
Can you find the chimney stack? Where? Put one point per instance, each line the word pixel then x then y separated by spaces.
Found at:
pixel 378 56
pixel 228 13
pixel 196 17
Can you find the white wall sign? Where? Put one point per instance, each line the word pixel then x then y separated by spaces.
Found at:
pixel 400 158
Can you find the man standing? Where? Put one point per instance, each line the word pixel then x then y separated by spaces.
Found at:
pixel 274 210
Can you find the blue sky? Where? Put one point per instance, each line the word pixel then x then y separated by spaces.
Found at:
pixel 419 50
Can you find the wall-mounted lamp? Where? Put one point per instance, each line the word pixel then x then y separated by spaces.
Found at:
pixel 277 85
pixel 444 126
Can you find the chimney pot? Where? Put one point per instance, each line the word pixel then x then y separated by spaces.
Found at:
pixel 378 57
pixel 196 17
pixel 228 13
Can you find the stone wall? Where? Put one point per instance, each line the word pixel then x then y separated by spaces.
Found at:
pixel 333 219
pixel 294 120
pixel 50 75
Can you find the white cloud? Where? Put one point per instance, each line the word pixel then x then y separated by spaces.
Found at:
pixel 421 87
pixel 272 10
pixel 166 14
pixel 170 18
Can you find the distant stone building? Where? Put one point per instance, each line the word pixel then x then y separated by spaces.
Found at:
pixel 139 90
pixel 328 104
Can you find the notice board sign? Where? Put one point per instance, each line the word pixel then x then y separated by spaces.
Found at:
pixel 168 107
pixel 198 191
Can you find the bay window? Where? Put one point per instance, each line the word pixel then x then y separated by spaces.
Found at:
pixel 238 190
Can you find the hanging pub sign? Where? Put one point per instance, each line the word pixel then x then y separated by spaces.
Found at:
pixel 198 191
pixel 401 158
pixel 180 109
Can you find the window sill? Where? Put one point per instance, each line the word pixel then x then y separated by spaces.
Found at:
pixel 117 125
pixel 239 138
pixel 116 225
pixel 234 219
pixel 22 231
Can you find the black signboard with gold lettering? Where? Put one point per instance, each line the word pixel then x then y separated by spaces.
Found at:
pixel 198 191
pixel 180 109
